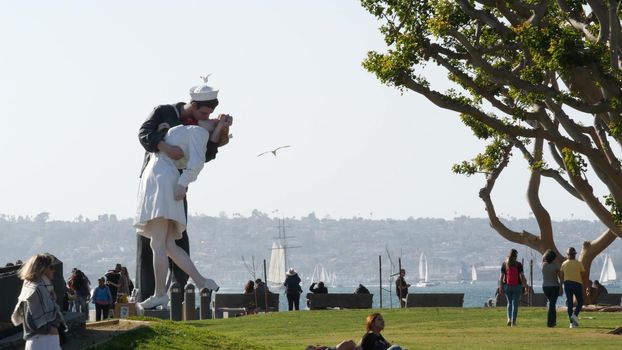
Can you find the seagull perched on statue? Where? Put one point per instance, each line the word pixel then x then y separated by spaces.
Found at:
pixel 273 151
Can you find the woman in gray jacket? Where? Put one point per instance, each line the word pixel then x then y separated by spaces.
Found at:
pixel 36 307
pixel 551 284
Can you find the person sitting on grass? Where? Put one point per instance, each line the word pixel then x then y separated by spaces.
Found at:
pixel 344 345
pixel 373 340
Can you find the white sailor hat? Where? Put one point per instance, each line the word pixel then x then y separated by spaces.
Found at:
pixel 203 92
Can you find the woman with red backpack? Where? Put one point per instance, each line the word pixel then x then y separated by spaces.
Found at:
pixel 512 282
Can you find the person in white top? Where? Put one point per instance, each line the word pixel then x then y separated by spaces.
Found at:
pixel 160 212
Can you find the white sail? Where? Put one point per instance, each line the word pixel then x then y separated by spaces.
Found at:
pixel 608 273
pixel 315 278
pixel 423 273
pixel 276 272
pixel 473 273
pixel 320 274
pixel 603 271
pixel 611 271
pixel 423 267
pixel 272 261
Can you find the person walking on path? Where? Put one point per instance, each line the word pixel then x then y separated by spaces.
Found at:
pixel 401 288
pixel 36 307
pixel 292 289
pixel 113 278
pixel 82 287
pixel 572 274
pixel 125 284
pixel 551 285
pixel 102 298
pixel 71 292
pixel 203 102
pixel 511 281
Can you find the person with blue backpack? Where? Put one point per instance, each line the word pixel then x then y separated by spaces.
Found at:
pixel 512 282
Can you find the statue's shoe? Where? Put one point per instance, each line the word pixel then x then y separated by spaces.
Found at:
pixel 153 301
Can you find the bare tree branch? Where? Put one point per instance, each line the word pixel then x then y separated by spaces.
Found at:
pixel 547 172
pixel 533 198
pixel 539 10
pixel 511 79
pixel 447 102
pixel 601 212
pixel 601 165
pixel 484 194
pixel 600 11
pixel 614 35
pixel 605 146
pixel 583 28
pixel 485 17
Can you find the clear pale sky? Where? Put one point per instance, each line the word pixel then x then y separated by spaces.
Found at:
pixel 77 78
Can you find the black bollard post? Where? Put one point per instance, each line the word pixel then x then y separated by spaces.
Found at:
pixel 189 312
pixel 176 301
pixel 206 300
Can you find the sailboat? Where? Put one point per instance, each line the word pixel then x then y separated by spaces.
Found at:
pixel 473 274
pixel 276 270
pixel 332 279
pixel 423 273
pixel 320 274
pixel 608 274
pixel 279 258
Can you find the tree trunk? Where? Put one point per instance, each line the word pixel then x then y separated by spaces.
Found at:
pixel 589 251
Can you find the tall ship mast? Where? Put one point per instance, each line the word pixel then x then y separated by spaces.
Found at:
pixel 279 261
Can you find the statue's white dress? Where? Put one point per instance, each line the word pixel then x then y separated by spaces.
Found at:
pixel 156 191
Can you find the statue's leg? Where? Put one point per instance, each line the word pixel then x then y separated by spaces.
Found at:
pixel 158 231
pixel 179 275
pixel 182 261
pixel 144 268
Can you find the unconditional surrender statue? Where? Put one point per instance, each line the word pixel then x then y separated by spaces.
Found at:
pixel 178 139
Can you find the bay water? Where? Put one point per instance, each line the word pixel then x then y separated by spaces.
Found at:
pixel 475 295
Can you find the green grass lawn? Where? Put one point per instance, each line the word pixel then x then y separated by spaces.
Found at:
pixel 421 328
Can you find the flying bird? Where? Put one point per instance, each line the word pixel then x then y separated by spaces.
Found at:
pixel 273 151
